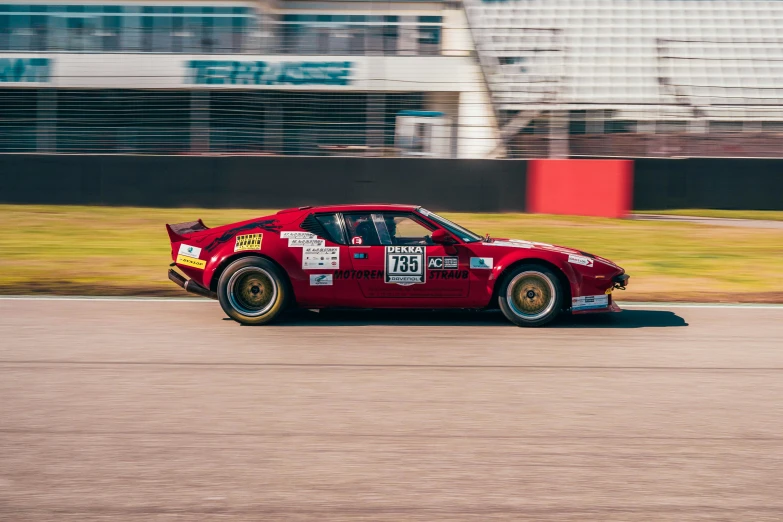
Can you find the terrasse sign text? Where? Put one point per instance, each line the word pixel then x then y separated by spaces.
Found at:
pixel 229 72
pixel 24 70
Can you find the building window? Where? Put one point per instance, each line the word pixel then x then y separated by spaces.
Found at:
pixel 429 35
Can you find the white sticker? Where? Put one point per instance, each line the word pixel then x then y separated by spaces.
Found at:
pixel 515 243
pixel 321 279
pixel 481 263
pixel 295 242
pixel 297 235
pixel 189 251
pixel 589 301
pixel 580 260
pixel 320 258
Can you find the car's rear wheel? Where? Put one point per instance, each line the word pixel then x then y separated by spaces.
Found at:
pixel 252 290
pixel 531 296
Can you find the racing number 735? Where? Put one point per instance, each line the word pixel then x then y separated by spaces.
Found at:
pixel 405 264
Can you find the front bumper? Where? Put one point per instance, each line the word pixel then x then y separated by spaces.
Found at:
pixel 580 305
pixel 621 281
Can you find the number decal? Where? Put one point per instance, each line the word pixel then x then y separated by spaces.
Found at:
pixel 404 265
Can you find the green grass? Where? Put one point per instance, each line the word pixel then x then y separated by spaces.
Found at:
pixel 125 251
pixel 772 215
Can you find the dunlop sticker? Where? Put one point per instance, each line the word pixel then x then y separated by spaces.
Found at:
pixel 190 261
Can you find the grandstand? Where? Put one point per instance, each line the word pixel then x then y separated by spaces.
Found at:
pixel 482 78
pixel 638 67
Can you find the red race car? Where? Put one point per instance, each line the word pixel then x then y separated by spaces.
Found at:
pixel 383 256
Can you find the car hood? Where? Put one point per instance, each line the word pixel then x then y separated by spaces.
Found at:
pixel 535 245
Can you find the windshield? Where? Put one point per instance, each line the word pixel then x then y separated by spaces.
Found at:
pixel 463 233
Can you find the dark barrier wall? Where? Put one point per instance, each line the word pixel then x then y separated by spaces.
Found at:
pixel 732 184
pixel 277 182
pixel 262 182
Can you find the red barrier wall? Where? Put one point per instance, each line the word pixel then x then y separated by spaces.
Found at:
pixel 580 187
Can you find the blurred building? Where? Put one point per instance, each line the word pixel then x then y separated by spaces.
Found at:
pixel 316 78
pixel 483 78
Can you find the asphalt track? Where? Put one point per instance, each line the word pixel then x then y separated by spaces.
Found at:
pixel 161 410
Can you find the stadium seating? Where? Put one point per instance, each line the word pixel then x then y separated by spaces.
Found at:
pixel 611 53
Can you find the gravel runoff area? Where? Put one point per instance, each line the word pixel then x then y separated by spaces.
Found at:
pixel 146 410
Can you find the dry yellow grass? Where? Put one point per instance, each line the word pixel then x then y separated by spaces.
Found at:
pixel 125 251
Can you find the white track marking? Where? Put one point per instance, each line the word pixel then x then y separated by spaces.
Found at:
pixel 754 306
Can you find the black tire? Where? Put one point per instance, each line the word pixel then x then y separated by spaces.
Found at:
pixel 531 295
pixel 253 291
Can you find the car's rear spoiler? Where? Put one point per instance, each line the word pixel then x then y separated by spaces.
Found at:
pixel 180 231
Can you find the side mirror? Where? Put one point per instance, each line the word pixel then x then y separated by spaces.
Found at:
pixel 441 237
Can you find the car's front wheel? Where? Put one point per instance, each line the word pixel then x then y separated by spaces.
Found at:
pixel 252 290
pixel 531 296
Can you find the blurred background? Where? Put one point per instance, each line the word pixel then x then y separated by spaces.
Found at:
pixel 645 131
pixel 446 79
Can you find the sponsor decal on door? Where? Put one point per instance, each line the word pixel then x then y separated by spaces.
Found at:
pixel 404 265
pixel 321 279
pixel 443 263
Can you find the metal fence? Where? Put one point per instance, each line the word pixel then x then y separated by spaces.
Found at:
pixel 135 121
pixel 194 122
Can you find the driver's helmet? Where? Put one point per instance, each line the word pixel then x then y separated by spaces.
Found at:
pixel 366 230
pixel 391 226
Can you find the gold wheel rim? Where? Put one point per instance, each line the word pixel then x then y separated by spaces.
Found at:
pixel 531 295
pixel 252 291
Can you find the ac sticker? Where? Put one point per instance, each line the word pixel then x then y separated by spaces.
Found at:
pixel 443 263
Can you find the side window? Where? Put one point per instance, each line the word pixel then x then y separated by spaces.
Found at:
pixel 331 223
pixel 361 229
pixel 406 231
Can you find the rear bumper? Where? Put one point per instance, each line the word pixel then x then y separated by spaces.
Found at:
pixel 190 285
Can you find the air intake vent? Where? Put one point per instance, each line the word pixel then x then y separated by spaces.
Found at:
pixel 313 226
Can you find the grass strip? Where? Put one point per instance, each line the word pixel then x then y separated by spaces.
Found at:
pixel 125 251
